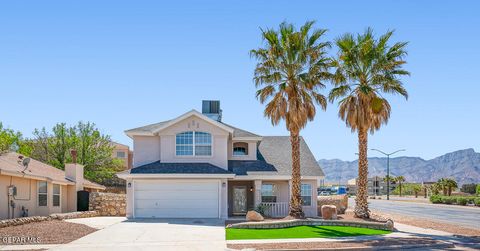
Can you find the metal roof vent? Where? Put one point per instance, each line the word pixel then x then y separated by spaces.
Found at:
pixel 211 109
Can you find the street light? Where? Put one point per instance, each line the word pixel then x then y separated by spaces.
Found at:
pixel 388 167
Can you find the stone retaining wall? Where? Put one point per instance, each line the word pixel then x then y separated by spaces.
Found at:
pixel 31 219
pixel 313 222
pixel 108 204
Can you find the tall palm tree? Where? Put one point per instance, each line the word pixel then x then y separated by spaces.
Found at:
pixel 366 68
pixel 400 179
pixel 289 74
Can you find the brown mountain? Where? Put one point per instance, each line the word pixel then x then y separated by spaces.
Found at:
pixel 463 166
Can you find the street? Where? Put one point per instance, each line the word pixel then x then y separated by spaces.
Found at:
pixel 463 216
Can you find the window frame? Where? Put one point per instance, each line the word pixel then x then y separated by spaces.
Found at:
pixel 239 147
pixel 194 145
pixel 306 203
pixel 121 157
pixel 273 196
pixel 55 194
pixel 42 193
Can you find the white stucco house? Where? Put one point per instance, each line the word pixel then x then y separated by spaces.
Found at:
pixel 197 166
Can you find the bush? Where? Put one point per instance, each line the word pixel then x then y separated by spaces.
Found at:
pixel 448 200
pixel 436 199
pixel 476 201
pixel 462 201
pixel 478 190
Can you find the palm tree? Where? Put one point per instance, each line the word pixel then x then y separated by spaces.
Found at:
pixel 366 69
pixel 442 183
pixel 450 184
pixel 289 73
pixel 400 179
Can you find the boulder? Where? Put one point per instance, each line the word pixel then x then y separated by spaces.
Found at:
pixel 329 212
pixel 340 201
pixel 254 216
pixel 389 224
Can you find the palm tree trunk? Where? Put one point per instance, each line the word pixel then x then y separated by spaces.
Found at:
pixel 361 204
pixel 295 209
pixel 449 191
pixel 400 187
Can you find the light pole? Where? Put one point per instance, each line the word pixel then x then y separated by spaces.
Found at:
pixel 388 167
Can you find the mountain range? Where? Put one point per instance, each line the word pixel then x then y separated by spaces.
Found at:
pixel 462 165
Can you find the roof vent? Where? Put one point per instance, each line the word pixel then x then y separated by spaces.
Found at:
pixel 211 109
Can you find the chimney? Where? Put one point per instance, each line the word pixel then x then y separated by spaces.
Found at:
pixel 211 109
pixel 74 171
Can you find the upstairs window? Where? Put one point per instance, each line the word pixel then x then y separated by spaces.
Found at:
pixel 193 144
pixel 120 154
pixel 240 149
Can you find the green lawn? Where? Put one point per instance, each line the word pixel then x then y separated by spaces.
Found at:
pixel 300 232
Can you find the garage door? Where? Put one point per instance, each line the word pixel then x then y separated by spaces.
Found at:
pixel 176 199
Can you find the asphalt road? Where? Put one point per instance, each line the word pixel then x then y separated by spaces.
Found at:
pixel 463 216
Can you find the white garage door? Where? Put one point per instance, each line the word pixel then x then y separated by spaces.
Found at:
pixel 176 199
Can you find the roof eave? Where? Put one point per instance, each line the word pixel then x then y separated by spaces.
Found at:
pixel 174 175
pixel 259 138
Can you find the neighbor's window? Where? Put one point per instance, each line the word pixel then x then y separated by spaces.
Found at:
pixel 240 149
pixel 193 144
pixel 56 195
pixel 120 154
pixel 42 193
pixel 306 193
pixel 268 193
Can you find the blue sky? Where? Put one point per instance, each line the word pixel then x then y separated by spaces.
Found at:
pixel 123 64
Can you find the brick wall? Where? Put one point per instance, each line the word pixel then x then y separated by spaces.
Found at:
pixel 108 204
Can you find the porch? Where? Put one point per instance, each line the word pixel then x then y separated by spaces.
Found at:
pixel 247 195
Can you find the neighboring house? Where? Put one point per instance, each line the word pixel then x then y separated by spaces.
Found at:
pixel 196 166
pixel 376 186
pixel 39 188
pixel 123 153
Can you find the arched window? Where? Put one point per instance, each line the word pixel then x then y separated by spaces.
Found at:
pixel 193 144
pixel 240 149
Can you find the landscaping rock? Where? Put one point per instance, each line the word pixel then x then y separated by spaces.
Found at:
pixel 329 212
pixel 254 216
pixel 340 201
pixel 389 224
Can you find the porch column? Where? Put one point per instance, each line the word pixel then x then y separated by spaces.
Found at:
pixel 258 192
pixel 289 189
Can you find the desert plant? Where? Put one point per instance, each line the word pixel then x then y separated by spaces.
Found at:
pixel 451 184
pixel 366 69
pixel 416 189
pixel 289 73
pixel 448 200
pixel 262 209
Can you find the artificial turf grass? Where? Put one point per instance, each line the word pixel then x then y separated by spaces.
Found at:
pixel 300 232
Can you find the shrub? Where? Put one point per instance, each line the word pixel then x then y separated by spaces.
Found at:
pixel 448 200
pixel 468 188
pixel 478 189
pixel 476 201
pixel 462 201
pixel 436 199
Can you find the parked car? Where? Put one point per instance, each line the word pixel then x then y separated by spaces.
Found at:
pixel 324 193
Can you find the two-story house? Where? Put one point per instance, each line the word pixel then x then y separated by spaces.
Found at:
pixel 196 166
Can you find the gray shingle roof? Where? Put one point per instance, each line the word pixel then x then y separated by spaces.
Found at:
pixel 237 132
pixel 241 167
pixel 148 128
pixel 276 150
pixel 186 168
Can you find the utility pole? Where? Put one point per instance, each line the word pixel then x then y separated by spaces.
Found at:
pixel 388 167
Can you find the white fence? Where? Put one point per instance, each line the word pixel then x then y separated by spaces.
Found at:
pixel 276 209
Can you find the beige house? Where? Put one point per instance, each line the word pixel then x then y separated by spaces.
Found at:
pixel 30 185
pixel 196 166
pixel 123 153
pixel 376 186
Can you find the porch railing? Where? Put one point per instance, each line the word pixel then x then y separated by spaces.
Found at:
pixel 276 209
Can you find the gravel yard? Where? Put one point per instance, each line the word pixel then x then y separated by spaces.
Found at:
pixel 424 223
pixel 47 232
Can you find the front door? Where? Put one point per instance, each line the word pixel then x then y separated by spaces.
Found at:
pixel 239 200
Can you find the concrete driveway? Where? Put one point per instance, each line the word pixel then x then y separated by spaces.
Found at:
pixel 150 234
